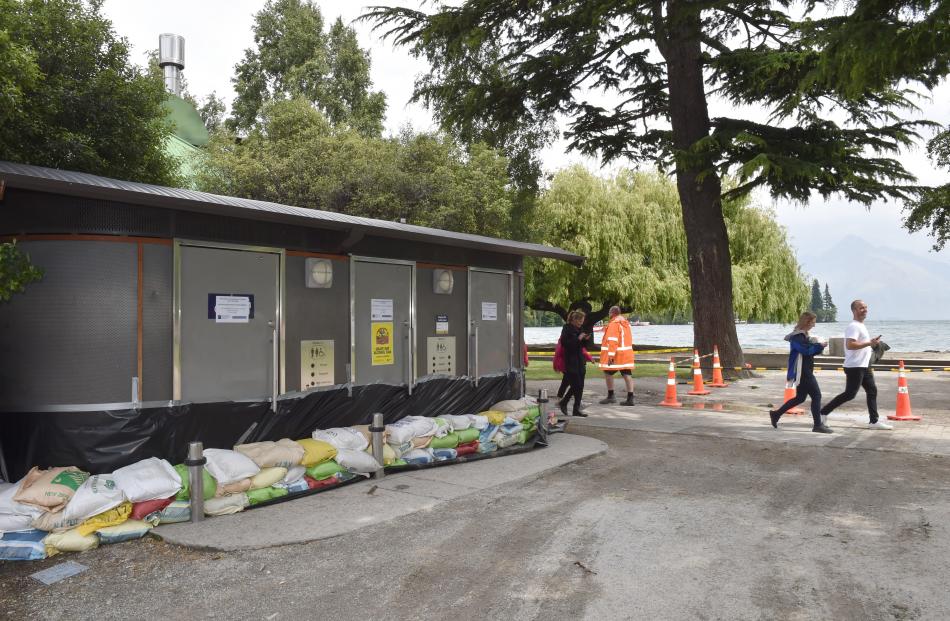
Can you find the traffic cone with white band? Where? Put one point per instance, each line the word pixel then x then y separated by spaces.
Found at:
pixel 717 381
pixel 697 377
pixel 670 399
pixel 903 398
pixel 790 394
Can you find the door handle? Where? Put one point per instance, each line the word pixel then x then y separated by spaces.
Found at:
pixel 408 355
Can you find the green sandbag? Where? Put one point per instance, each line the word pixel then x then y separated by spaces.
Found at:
pixel 398 463
pixel 450 440
pixel 257 496
pixel 468 435
pixel 533 414
pixel 210 485
pixel 324 470
pixel 529 425
pixel 522 436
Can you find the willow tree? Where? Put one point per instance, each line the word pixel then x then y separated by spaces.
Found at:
pixel 631 231
pixel 497 64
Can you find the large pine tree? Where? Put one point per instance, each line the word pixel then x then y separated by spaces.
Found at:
pixel 503 69
pixel 817 304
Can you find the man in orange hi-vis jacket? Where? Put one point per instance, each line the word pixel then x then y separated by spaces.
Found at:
pixel 616 354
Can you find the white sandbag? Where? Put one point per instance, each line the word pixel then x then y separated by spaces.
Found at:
pixel 400 432
pixel 126 531
pixel 423 426
pixel 293 475
pixel 149 479
pixel 442 427
pixel 518 415
pixel 229 466
pixel 357 461
pixel 11 509
pixel 510 405
pixel 233 503
pixel 99 493
pixel 479 421
pixel 342 438
pixel 458 421
pixel 10 523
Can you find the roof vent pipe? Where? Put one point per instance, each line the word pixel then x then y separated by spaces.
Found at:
pixel 171 58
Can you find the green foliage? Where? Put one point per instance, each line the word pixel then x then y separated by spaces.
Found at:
pixel 69 98
pixel 296 157
pixel 931 209
pixel 212 112
pixel 817 303
pixel 16 271
pixel 630 229
pixel 293 57
pixel 829 310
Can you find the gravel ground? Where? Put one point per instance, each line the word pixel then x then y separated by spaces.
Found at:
pixel 662 526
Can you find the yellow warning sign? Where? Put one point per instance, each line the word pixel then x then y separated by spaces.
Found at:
pixel 382 343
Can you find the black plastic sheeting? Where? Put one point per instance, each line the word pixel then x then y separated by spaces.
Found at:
pixel 103 441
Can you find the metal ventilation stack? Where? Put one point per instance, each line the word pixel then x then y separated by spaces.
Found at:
pixel 171 58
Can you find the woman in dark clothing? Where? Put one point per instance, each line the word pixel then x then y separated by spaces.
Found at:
pixel 573 341
pixel 801 371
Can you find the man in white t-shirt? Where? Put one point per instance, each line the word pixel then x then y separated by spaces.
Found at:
pixel 858 346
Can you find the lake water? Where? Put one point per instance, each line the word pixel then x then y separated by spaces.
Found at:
pixel 902 336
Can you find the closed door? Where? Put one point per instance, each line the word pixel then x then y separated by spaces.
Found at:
pixel 229 317
pixel 490 320
pixel 382 322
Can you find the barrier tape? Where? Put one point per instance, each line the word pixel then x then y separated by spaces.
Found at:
pixel 636 351
pixel 818 368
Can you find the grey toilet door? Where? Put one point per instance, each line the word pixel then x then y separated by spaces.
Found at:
pixel 229 309
pixel 383 309
pixel 490 320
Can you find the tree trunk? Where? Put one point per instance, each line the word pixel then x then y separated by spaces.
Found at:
pixel 707 241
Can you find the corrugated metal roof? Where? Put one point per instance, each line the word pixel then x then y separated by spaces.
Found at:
pixel 92 186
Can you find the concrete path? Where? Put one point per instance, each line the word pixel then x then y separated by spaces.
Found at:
pixel 356 506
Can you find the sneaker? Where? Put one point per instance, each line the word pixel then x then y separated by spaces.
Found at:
pixel 879 425
pixel 774 416
pixel 580 413
pixel 822 429
pixel 607 401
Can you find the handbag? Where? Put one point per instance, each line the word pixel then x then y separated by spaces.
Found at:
pixel 877 352
pixel 558 361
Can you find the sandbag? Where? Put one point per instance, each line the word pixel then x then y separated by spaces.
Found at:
pixel 209 485
pixel 364 430
pixel 444 454
pixel 15 516
pixel 400 449
pixel 177 511
pixel 518 415
pixel 141 510
pixel 327 482
pixel 225 505
pixel 458 421
pixel 294 474
pixel 300 485
pixel 487 447
pixel 25 545
pixel 111 517
pixel 69 541
pixel 443 427
pixel 237 487
pixel 55 522
pixel 357 461
pixel 15 523
pixel 323 471
pixel 128 530
pixel 467 449
pixel 495 417
pixel 419 456
pixel 148 479
pixel 504 441
pixel 450 440
pixel 422 425
pixel 421 441
pixel 468 435
pixel 267 477
pixel 229 466
pixel 257 496
pixel 488 433
pixel 51 489
pixel 342 438
pixel 315 452
pixel 479 421
pixel 400 432
pixel 281 454
pixel 509 427
pixel 97 494
pixel 510 405
pixel 389 455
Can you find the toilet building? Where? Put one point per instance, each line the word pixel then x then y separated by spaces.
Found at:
pixel 167 315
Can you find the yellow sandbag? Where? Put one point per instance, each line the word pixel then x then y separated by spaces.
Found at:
pixel 111 517
pixel 267 477
pixel 495 417
pixel 316 452
pixel 71 540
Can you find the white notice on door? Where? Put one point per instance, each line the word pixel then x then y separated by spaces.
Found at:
pixel 381 310
pixel 489 311
pixel 232 309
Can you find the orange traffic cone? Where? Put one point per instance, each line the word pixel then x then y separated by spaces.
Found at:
pixel 790 394
pixel 697 377
pixel 717 371
pixel 670 399
pixel 903 398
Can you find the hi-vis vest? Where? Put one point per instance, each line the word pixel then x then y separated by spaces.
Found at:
pixel 617 344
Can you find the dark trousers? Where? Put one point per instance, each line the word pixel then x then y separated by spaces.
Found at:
pixel 565 384
pixel 807 387
pixel 576 390
pixel 856 377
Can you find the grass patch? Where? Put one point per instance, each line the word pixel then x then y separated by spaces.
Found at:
pixel 541 370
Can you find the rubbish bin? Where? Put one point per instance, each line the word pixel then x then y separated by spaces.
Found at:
pixel 836 346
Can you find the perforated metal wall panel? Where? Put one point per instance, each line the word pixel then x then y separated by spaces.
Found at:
pixel 157 336
pixel 71 338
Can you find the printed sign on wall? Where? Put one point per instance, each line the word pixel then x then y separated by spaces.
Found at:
pixel 441 324
pixel 381 310
pixel 231 307
pixel 440 355
pixel 382 343
pixel 316 364
pixel 489 311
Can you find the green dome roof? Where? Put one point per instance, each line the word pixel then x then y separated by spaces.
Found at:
pixel 186 122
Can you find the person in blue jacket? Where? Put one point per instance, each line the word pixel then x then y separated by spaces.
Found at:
pixel 801 371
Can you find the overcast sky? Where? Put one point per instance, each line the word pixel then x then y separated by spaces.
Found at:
pixel 218 31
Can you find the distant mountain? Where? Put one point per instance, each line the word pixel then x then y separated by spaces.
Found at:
pixel 895 284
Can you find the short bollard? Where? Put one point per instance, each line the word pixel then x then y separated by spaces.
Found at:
pixel 543 418
pixel 196 482
pixel 376 430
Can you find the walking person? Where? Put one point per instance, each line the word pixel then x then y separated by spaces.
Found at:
pixel 573 340
pixel 858 349
pixel 616 354
pixel 801 371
